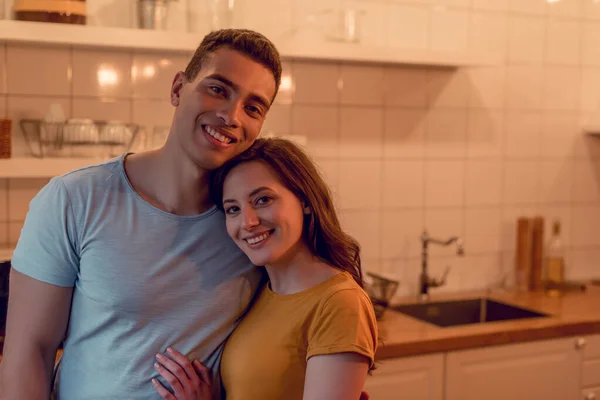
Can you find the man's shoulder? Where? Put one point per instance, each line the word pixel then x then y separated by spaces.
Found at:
pixel 94 173
pixel 77 186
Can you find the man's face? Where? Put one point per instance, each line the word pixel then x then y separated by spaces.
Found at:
pixel 220 113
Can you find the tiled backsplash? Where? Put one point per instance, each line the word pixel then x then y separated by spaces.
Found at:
pixel 459 152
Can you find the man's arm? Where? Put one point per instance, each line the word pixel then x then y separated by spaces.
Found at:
pixel 38 315
pixel 335 376
pixel 45 266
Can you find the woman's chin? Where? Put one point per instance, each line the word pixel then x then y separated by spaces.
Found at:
pixel 259 259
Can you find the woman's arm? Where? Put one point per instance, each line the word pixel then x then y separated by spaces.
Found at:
pixel 335 376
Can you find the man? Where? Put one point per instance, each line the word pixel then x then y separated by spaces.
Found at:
pixel 130 256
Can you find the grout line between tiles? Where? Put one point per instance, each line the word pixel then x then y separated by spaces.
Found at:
pixel 382 169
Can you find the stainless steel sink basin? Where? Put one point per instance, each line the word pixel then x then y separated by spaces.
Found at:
pixel 465 312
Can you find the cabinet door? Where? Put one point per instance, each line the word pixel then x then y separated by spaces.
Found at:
pixel 590 374
pixel 410 378
pixel 545 370
pixel 591 347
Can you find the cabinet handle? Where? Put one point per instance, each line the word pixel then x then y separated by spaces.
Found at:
pixel 580 343
pixel 590 396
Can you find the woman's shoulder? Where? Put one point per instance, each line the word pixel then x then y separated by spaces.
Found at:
pixel 344 292
pixel 345 321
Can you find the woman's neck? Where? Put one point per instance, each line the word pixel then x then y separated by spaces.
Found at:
pixel 297 271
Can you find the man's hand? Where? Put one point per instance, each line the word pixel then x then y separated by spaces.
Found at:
pixel 189 381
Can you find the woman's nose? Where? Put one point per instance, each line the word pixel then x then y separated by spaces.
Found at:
pixel 250 219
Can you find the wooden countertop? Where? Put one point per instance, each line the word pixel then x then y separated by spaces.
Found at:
pixel 575 313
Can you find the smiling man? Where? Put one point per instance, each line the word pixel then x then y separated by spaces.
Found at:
pixel 129 257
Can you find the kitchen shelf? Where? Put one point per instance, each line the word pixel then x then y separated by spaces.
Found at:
pixel 42 167
pixel 96 36
pixel 139 39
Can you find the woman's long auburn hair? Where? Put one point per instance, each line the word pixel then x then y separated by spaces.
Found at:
pixel 322 231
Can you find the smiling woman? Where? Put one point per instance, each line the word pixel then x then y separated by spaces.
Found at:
pixel 311 333
pixel 276 176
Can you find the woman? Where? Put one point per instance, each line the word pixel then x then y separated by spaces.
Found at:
pixel 311 333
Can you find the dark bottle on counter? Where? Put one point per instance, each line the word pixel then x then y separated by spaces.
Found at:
pixel 58 11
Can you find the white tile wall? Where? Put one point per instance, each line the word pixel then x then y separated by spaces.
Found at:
pixel 454 151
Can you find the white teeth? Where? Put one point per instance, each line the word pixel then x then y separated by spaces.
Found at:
pixel 217 135
pixel 258 239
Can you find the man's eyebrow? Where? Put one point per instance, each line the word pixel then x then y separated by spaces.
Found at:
pixel 255 97
pixel 222 79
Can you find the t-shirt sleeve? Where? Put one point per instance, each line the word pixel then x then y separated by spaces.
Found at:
pixel 345 324
pixel 47 246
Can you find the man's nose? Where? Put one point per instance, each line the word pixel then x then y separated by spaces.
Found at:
pixel 230 113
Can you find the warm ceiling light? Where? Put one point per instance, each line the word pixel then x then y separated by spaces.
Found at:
pixel 107 76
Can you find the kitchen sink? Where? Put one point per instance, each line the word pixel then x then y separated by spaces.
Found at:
pixel 465 312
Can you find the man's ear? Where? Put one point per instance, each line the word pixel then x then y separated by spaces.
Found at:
pixel 179 82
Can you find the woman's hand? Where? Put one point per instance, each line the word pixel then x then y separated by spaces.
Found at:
pixel 189 381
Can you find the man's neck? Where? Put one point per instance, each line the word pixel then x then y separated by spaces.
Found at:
pixel 173 184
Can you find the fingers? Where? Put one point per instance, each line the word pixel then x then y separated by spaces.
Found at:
pixel 176 382
pixel 178 366
pixel 179 374
pixel 202 372
pixel 364 396
pixel 182 362
pixel 164 393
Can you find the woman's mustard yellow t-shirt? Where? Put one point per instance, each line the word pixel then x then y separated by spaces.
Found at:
pixel 265 357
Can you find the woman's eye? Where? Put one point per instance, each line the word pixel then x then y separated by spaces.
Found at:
pixel 232 210
pixel 263 200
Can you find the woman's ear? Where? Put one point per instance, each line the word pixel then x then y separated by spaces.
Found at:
pixel 307 210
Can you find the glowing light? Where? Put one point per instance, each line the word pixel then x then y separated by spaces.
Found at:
pixel 149 71
pixel 107 76
pixel 286 83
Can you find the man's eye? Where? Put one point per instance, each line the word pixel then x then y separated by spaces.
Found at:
pixel 217 89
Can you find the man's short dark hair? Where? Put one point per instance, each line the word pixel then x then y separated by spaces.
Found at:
pixel 250 43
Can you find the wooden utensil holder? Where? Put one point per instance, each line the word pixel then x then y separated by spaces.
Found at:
pixel 5 137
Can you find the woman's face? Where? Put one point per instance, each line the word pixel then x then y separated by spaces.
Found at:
pixel 264 218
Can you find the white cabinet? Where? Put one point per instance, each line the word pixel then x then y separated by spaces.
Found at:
pixel 544 370
pixel 558 369
pixel 411 378
pixel 590 373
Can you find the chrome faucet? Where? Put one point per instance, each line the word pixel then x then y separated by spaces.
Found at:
pixel 425 281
